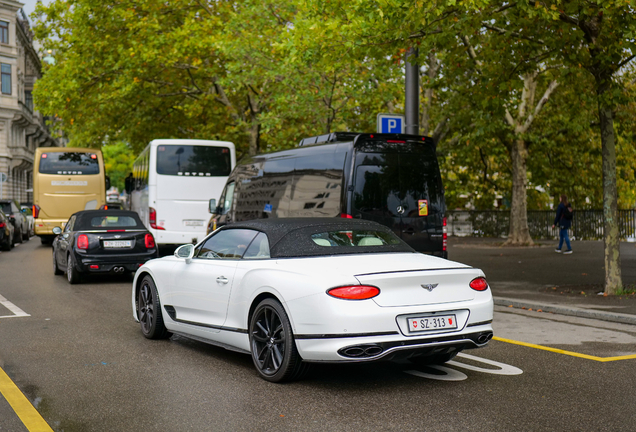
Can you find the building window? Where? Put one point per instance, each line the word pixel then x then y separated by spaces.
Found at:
pixel 4 32
pixel 5 70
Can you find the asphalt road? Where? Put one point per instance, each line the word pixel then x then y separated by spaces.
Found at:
pixel 81 360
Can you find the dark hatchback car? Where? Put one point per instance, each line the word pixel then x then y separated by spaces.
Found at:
pixel 6 232
pixel 102 242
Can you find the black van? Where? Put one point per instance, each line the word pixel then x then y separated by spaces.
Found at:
pixel 393 179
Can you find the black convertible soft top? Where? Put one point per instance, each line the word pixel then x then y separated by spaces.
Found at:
pixel 291 237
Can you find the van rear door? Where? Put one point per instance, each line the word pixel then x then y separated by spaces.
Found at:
pixel 398 184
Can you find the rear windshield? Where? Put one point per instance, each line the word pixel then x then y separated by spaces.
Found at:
pixel 113 222
pixel 355 238
pixel 197 161
pixel 397 180
pixel 69 163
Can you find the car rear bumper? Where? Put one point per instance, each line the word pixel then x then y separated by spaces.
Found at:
pixel 362 331
pixel 114 263
pixel 44 227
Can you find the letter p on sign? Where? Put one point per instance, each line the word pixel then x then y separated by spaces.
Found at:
pixel 390 123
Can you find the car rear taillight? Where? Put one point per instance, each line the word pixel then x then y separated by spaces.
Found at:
pixel 346 216
pixel 36 211
pixel 354 292
pixel 479 284
pixel 82 241
pixel 152 218
pixel 150 241
pixel 2 225
pixel 444 234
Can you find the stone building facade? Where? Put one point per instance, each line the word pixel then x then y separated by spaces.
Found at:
pixel 22 129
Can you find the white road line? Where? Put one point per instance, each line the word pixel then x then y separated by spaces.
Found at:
pixel 17 312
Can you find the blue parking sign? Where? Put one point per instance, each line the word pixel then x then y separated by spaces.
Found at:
pixel 391 123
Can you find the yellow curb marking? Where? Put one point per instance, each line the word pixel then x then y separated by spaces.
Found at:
pixel 30 417
pixel 570 353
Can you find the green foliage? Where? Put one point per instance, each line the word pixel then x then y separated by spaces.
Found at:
pixel 118 162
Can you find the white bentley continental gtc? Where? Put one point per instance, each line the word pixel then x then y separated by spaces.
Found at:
pixel 291 292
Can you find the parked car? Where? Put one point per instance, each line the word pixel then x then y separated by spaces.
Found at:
pixel 27 209
pixel 393 179
pixel 101 242
pixel 295 291
pixel 6 232
pixel 19 219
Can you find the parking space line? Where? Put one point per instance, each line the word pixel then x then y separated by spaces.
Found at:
pixel 30 417
pixel 17 312
pixel 570 353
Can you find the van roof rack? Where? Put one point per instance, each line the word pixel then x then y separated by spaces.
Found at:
pixel 328 138
pixel 351 136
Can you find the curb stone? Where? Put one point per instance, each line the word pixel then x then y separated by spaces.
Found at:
pixel 568 310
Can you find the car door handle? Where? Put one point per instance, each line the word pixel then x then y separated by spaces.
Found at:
pixel 222 280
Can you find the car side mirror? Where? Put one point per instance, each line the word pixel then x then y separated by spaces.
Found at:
pixel 186 252
pixel 212 206
pixel 57 230
pixel 107 178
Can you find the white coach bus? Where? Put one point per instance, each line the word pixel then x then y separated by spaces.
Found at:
pixel 173 182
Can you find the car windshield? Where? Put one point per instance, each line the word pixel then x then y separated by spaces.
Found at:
pixel 6 207
pixel 69 163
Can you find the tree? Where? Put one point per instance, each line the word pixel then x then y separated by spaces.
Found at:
pixel 118 162
pixel 606 32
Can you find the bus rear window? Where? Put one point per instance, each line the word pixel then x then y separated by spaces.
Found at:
pixel 69 163
pixel 193 161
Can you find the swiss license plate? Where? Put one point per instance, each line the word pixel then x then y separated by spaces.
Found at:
pixel 117 243
pixel 193 222
pixel 430 323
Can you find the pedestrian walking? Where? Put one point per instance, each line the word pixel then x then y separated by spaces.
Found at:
pixel 563 219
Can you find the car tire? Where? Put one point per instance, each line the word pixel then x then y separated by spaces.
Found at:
pixel 56 269
pixel 17 238
pixel 7 245
pixel 149 311
pixel 72 275
pixel 25 235
pixel 272 344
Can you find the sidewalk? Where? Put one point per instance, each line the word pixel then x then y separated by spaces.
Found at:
pixel 537 278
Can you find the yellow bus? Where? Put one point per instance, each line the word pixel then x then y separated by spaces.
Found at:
pixel 65 180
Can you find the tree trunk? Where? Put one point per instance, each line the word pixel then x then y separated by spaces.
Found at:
pixel 611 237
pixel 255 134
pixel 519 234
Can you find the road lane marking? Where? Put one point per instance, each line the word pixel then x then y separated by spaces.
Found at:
pixel 565 352
pixel 504 369
pixel 17 312
pixel 30 417
pixel 449 374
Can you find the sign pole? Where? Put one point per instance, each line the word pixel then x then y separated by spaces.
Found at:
pixel 412 92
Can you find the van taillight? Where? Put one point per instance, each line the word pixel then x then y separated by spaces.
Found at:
pixel 82 241
pixel 150 241
pixel 36 211
pixel 444 234
pixel 153 219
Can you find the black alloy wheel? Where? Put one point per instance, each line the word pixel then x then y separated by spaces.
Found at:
pixel 7 244
pixel 56 269
pixel 72 275
pixel 149 311
pixel 272 344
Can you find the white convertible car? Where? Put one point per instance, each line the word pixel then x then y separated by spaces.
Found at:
pixel 295 291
